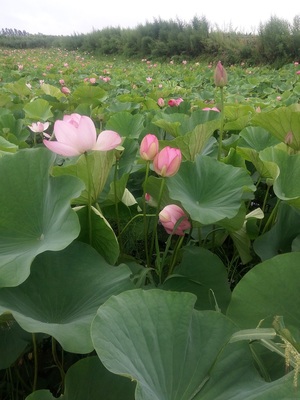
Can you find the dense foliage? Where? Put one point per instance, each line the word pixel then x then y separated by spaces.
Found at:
pixel 149 228
pixel 276 42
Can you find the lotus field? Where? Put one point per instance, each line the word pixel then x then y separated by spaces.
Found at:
pixel 149 229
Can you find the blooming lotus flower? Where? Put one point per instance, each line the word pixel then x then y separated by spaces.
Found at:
pixel 170 215
pixel 39 127
pixel 76 135
pixel 220 75
pixel 175 102
pixel 149 147
pixel 167 161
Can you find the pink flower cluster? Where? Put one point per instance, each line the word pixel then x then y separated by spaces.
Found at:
pixel 166 163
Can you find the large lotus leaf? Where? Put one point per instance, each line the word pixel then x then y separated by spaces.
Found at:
pixel 126 124
pixel 285 171
pixel 171 123
pixel 202 273
pixel 87 379
pixel 280 238
pixel 62 294
pixel 35 212
pixel 281 122
pixel 38 110
pixel 269 289
pixel 237 116
pixel 13 340
pixel 175 352
pixel 103 238
pixel 6 146
pixel 93 169
pixel 18 87
pixel 194 142
pixel 252 140
pixel 92 95
pixel 210 190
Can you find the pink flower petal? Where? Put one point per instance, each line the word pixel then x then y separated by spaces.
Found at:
pixel 86 134
pixel 107 140
pixel 61 148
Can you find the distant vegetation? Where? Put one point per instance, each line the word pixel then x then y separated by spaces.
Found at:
pixel 276 41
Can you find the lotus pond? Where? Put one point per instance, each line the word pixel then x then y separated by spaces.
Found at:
pixel 149 229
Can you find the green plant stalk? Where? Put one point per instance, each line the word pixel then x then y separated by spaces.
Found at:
pixel 12 396
pixel 145 218
pixel 89 188
pixel 272 217
pixel 264 205
pixel 222 125
pixel 132 219
pixel 35 359
pixel 57 362
pixel 116 200
pixel 175 254
pixel 156 217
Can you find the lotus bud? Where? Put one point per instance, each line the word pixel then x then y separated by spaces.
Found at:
pixel 220 75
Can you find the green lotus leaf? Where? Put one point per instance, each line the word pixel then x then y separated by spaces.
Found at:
pixel 88 379
pixel 251 304
pixel 175 352
pixel 38 110
pixel 210 190
pixel 103 238
pixel 93 169
pixel 194 142
pixel 202 273
pixel 280 238
pixel 35 212
pixel 285 171
pixel 62 294
pixel 13 340
pixel 252 140
pixel 92 95
pixel 283 123
pixel 51 90
pixel 126 124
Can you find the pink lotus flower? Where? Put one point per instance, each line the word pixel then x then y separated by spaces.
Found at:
pixel 76 135
pixel 298 72
pixel 149 147
pixel 65 90
pixel 175 102
pixel 167 161
pixel 161 102
pixel 39 127
pixel 220 75
pixel 169 217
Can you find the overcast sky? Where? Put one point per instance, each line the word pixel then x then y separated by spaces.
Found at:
pixel 67 17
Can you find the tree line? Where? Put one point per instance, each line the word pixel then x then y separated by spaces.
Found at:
pixel 276 42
